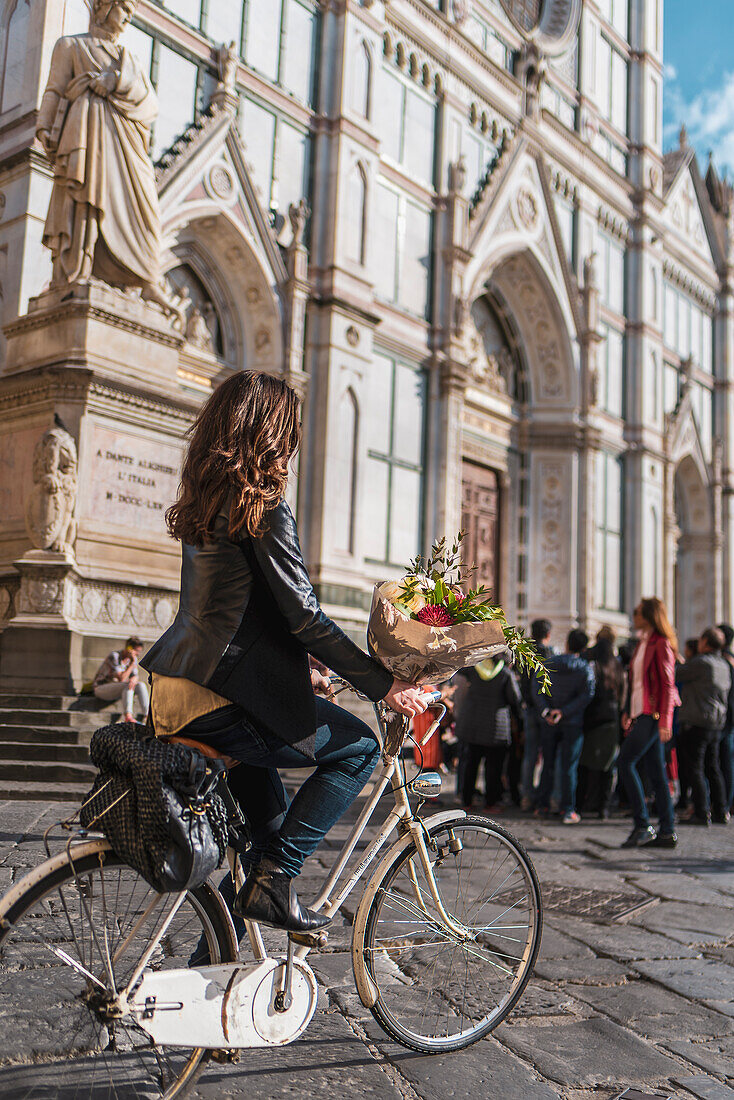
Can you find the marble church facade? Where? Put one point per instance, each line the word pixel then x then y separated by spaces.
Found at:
pixel 453 227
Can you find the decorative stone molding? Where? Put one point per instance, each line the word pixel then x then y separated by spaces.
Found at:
pixel 97 302
pixel 694 287
pixel 564 186
pixel 192 138
pixel 481 118
pixel 613 224
pixel 220 183
pixel 528 207
pixel 482 198
pixel 97 603
pixel 408 56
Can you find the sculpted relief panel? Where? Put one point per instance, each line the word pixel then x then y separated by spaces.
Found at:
pixel 554 524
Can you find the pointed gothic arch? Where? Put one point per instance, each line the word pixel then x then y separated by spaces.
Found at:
pixel 361 82
pixel 249 304
pixel 356 213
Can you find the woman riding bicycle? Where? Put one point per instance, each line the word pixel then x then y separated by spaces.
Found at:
pixel 233 670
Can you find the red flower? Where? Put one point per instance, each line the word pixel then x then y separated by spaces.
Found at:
pixel 434 615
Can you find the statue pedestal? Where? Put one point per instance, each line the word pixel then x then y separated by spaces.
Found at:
pixel 113 371
pixel 96 326
pixel 39 648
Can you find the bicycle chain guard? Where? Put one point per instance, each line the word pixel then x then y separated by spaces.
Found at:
pixel 229 1006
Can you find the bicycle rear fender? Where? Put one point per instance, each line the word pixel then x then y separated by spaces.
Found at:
pixel 366 988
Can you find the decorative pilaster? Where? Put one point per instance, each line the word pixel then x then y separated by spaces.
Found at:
pixel 297 292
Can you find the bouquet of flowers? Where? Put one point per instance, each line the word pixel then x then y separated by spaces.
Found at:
pixel 428 625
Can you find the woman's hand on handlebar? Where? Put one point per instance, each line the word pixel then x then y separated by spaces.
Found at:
pixel 406 698
pixel 321 684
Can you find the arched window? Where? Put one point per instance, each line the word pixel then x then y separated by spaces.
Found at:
pixel 356 214
pixel 362 80
pixel 15 51
pixel 343 506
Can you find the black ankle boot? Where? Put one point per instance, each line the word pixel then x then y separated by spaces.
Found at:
pixel 269 897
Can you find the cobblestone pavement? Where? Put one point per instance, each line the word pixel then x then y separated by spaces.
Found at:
pixel 634 986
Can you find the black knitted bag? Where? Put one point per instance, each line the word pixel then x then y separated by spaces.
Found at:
pixel 157 806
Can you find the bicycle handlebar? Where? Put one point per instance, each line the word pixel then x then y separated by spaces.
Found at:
pixel 430 697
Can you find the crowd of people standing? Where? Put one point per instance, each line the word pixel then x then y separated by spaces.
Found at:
pixel 637 727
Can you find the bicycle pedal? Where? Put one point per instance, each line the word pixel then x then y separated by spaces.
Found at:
pixel 228 1056
pixel 310 939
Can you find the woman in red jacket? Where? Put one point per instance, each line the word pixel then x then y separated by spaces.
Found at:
pixel 648 722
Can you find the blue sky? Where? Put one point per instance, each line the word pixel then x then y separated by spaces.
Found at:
pixel 699 87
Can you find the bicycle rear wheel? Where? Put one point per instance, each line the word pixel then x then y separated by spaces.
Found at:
pixel 67 942
pixel 438 990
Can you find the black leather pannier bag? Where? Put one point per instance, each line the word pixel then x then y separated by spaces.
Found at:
pixel 156 804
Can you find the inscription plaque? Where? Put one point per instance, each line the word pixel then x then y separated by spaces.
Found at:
pixel 133 480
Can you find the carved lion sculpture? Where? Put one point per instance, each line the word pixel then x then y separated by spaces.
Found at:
pixel 50 507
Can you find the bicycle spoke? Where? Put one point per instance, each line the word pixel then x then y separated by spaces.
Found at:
pixel 65 957
pixel 436 986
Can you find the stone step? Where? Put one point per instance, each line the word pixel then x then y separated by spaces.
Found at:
pixel 34 734
pixel 59 718
pixel 41 733
pixel 49 772
pixel 82 703
pixel 40 702
pixel 47 752
pixel 40 792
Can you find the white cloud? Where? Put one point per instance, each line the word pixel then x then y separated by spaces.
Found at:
pixel 670 72
pixel 708 117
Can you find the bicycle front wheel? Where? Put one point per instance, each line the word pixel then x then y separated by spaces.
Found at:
pixel 68 943
pixel 442 988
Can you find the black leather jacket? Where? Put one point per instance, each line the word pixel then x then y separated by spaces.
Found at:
pixel 247 619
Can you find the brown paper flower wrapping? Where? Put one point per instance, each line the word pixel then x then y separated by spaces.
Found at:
pixel 424 654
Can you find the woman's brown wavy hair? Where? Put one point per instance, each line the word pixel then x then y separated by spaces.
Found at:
pixel 240 446
pixel 654 613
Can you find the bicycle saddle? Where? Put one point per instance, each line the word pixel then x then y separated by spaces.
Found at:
pixel 201 746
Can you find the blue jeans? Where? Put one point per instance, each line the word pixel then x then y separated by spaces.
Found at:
pixel 569 739
pixel 726 754
pixel 643 745
pixel 533 722
pixel 346 752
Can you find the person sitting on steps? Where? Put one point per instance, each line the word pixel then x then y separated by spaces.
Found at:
pixel 118 678
pixel 233 671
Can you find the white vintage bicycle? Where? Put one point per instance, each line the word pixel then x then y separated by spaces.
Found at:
pixel 98 997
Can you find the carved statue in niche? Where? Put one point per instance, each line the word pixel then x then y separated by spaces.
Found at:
pixel 94 123
pixel 199 320
pixel 199 328
pixel 50 507
pixel 485 367
pixel 489 357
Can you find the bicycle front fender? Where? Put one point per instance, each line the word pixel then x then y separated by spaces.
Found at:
pixel 366 988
